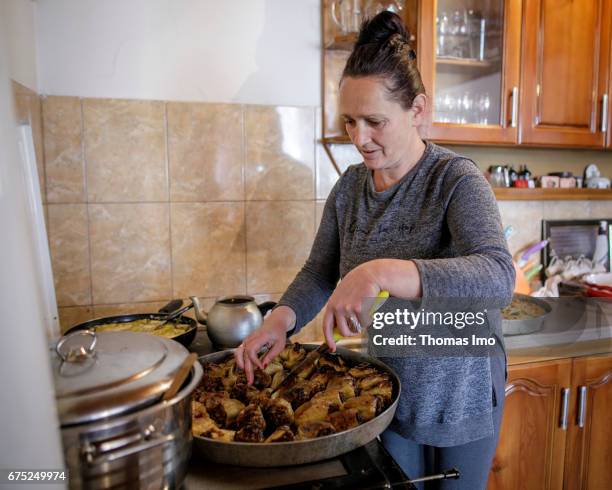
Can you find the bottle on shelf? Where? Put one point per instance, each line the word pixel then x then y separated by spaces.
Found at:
pixel 600 256
pixel 513 175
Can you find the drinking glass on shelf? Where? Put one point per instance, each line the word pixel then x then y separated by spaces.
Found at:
pixel 347 15
pixel 469 106
pixel 438 35
pixel 467 102
pixel 448 103
pixel 457 29
pixel 461 107
pixel 443 32
pixel 475 34
pixel 483 105
pixel 455 23
pixel 463 24
pixel 438 102
pixel 440 109
pixel 374 7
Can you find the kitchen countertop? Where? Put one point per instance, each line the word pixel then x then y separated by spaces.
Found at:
pixel 536 347
pixel 575 328
pixel 559 351
pixel 530 348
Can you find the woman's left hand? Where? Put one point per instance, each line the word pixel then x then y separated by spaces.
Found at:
pixel 345 308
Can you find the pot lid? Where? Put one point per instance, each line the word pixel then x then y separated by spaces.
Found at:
pixel 105 374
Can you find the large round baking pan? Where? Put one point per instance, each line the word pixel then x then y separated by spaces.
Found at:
pixel 184 338
pixel 300 452
pixel 527 325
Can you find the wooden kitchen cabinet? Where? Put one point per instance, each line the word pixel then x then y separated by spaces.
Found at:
pixel 565 71
pixel 606 104
pixel 557 427
pixel 508 72
pixel 469 58
pixel 548 86
pixel 337 45
pixel 531 448
pixel 588 452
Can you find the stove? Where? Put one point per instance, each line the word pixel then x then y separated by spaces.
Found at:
pixel 367 467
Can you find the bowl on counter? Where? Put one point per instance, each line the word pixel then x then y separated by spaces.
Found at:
pixel 524 315
pixel 182 329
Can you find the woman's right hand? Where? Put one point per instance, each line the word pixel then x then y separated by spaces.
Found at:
pixel 273 333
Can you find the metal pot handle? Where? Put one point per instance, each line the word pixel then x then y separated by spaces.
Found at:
pixel 148 440
pixel 265 307
pixel 79 353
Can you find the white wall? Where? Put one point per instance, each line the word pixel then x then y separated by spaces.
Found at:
pixel 29 435
pixel 18 24
pixel 247 51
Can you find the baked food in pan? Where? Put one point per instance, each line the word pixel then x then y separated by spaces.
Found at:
pixel 331 396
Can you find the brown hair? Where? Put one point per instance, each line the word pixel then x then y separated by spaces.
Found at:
pixel 383 49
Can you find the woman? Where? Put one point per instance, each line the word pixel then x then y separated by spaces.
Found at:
pixel 416 220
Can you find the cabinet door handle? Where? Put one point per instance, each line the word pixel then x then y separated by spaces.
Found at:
pixel 515 97
pixel 582 405
pixel 604 113
pixel 565 394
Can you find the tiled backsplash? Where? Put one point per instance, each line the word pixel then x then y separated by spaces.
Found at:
pixel 153 200
pixel 526 217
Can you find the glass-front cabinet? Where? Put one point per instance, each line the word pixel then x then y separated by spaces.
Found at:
pixel 469 56
pixel 340 22
pixel 509 72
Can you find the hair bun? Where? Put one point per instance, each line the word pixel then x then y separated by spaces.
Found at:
pixel 383 50
pixel 380 28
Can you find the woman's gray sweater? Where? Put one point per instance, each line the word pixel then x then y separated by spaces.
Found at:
pixel 442 215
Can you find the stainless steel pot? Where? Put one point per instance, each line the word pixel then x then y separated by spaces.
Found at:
pixel 232 319
pixel 115 430
pixel 300 452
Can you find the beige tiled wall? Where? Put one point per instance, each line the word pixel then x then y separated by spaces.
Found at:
pixel 206 152
pixel 150 201
pixel 153 200
pixel 63 150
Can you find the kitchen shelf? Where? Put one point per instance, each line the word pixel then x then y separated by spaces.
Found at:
pixel 328 143
pixel 539 194
pixel 468 63
pixel 505 193
pixel 336 140
pixel 343 42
